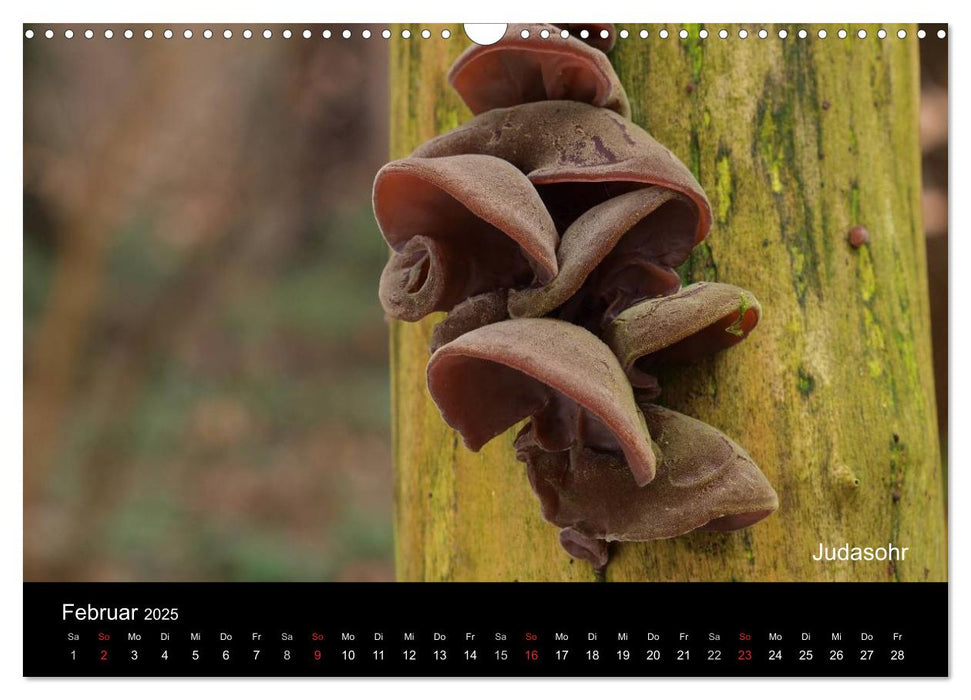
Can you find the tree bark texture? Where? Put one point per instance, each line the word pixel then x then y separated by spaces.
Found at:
pixel 795 141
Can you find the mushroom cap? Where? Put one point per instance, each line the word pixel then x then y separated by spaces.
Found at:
pixel 460 225
pixel 422 277
pixel 464 195
pixel 700 320
pixel 489 379
pixel 704 481
pixel 574 153
pixel 516 70
pixel 657 226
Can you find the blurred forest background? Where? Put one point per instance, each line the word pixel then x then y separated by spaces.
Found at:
pixel 206 387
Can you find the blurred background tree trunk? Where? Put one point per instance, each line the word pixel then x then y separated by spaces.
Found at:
pixel 795 141
pixel 205 361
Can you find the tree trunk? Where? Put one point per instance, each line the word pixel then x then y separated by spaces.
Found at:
pixel 795 141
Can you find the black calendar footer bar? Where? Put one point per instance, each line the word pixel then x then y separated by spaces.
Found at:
pixel 477 629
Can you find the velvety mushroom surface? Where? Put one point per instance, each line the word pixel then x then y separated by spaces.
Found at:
pixel 704 481
pixel 637 239
pixel 518 70
pixel 551 228
pixel 489 379
pixel 577 155
pixel 681 328
pixel 458 226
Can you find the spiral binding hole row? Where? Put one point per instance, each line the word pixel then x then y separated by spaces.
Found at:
pixel 446 34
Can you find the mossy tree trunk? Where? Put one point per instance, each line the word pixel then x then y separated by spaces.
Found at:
pixel 795 141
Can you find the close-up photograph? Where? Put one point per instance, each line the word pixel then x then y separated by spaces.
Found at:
pixel 536 350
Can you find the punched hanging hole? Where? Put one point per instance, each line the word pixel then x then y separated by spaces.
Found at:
pixel 485 34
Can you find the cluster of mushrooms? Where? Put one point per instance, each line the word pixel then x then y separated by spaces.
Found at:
pixel 550 227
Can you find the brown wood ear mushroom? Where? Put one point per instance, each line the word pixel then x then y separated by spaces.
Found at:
pixel 517 69
pixel 474 219
pixel 634 241
pixel 700 320
pixel 458 226
pixel 578 156
pixel 474 312
pixel 489 379
pixel 704 481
